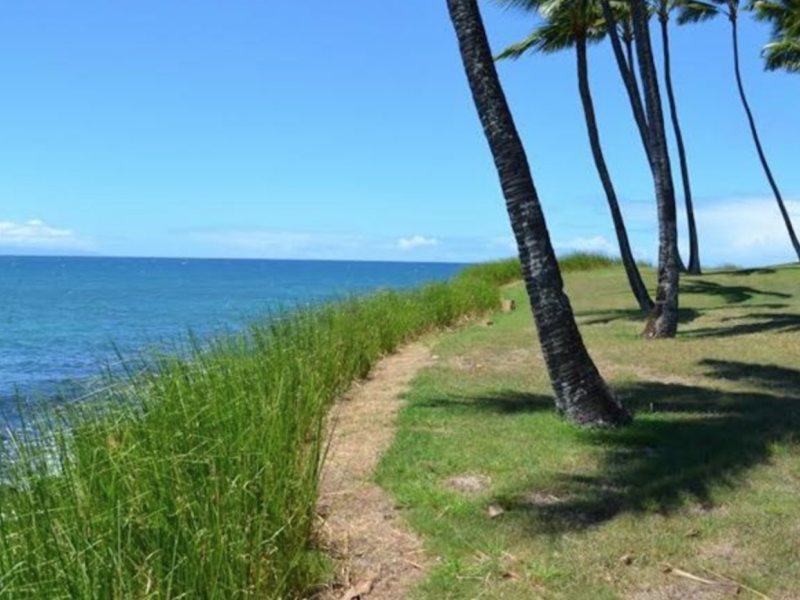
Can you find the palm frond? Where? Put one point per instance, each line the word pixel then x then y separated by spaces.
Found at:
pixel 564 22
pixel 526 5
pixel 694 11
pixel 550 37
pixel 532 43
pixel 783 14
pixel 767 11
pixel 783 54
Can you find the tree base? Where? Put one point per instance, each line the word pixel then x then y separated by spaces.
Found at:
pixel 599 410
pixel 658 326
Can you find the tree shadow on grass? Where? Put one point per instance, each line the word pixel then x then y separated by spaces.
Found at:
pixel 745 272
pixel 752 323
pixel 730 294
pixel 774 378
pixel 504 402
pixel 604 317
pixel 695 440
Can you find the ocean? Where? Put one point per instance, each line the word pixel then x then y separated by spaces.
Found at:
pixel 63 319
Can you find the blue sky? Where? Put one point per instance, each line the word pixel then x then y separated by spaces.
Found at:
pixel 346 130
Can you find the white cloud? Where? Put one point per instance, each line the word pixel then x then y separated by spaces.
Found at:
pixel 35 234
pixel 746 232
pixel 255 243
pixel 259 241
pixel 596 243
pixel 417 241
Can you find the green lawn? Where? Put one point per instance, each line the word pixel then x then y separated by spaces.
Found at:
pixel 706 480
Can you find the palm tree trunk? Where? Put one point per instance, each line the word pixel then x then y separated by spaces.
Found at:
pixel 786 219
pixel 641 120
pixel 581 394
pixel 631 58
pixel 663 321
pixel 625 67
pixel 694 248
pixel 632 271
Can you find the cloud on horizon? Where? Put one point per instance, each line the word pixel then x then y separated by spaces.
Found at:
pixel 748 231
pixel 417 241
pixel 309 245
pixel 36 235
pixel 743 231
pixel 256 243
pixel 596 243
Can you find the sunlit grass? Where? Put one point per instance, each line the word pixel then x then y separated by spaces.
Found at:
pixel 706 479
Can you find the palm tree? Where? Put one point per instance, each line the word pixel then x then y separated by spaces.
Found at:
pixel 573 23
pixel 627 66
pixel 619 23
pixel 663 321
pixel 783 52
pixel 693 11
pixel 581 394
pixel 619 26
pixel 663 10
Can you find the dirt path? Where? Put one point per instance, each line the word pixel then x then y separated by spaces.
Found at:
pixel 380 558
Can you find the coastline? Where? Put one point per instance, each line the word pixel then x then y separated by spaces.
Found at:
pixel 205 472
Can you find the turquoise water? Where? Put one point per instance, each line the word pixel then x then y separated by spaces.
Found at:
pixel 62 319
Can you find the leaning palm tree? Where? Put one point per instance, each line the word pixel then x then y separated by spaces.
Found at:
pixel 693 11
pixel 663 10
pixel 649 117
pixel 783 52
pixel 581 394
pixel 618 17
pixel 567 24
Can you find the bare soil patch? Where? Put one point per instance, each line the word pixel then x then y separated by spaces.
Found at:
pixel 469 484
pixel 491 360
pixel 683 591
pixel 380 558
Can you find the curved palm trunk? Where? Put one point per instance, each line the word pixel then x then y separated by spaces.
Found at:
pixel 694 248
pixel 581 393
pixel 785 213
pixel 626 63
pixel 626 67
pixel 631 270
pixel 663 322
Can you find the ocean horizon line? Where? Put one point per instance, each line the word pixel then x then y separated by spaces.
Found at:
pixel 238 258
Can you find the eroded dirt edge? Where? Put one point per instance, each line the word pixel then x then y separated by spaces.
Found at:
pixel 379 558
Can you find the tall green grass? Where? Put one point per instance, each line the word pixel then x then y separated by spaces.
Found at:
pixel 587 261
pixel 198 477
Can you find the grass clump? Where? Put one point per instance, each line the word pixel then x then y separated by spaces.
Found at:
pixel 498 272
pixel 503 271
pixel 198 477
pixel 586 261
